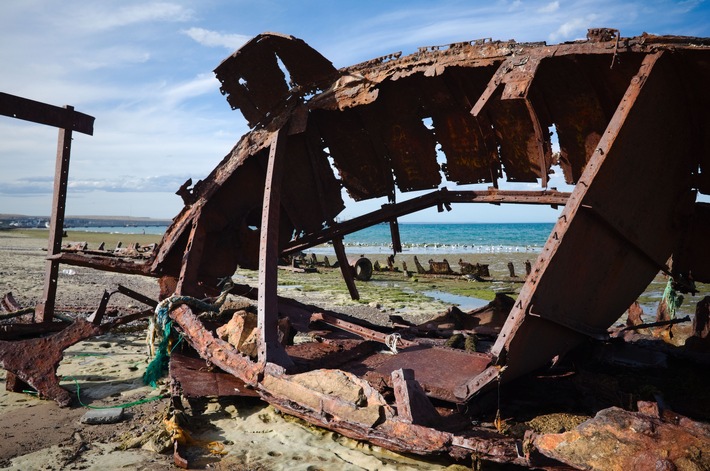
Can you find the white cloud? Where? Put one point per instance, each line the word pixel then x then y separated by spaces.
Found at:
pixel 574 28
pixel 688 5
pixel 515 5
pixel 209 38
pixel 550 7
pixel 96 17
pixel 115 184
pixel 200 85
pixel 112 57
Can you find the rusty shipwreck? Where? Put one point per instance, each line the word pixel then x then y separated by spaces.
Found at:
pixel 634 135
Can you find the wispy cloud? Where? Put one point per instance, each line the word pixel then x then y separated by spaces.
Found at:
pixel 202 84
pixel 550 7
pixel 229 41
pixel 97 17
pixel 574 28
pixel 688 5
pixel 112 57
pixel 117 184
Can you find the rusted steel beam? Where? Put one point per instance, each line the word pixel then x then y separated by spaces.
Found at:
pixel 334 399
pixel 104 263
pixel 56 226
pixel 412 404
pixel 98 314
pixel 15 331
pixel 67 120
pixel 435 198
pixel 189 270
pixel 216 351
pixel 137 296
pixel 491 447
pixel 364 332
pixel 396 240
pixel 42 113
pixel 269 348
pixel 403 437
pixel 345 268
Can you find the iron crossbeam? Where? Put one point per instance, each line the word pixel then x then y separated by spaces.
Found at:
pixel 441 198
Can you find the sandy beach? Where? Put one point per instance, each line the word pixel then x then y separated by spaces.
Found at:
pixel 107 370
pixel 38 434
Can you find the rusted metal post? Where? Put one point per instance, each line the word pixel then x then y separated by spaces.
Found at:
pixel 270 349
pixel 511 269
pixel 396 240
pixel 56 226
pixel 413 406
pixel 345 268
pixel 187 282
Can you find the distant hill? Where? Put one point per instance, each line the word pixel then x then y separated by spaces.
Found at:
pixel 24 221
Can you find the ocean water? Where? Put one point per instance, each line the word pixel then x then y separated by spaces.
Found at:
pixel 158 230
pixel 447 238
pixel 417 238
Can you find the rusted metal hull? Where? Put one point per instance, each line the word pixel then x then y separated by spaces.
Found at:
pixel 632 138
pixel 614 242
pixel 632 125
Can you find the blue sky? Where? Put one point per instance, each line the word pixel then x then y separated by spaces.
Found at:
pixel 144 70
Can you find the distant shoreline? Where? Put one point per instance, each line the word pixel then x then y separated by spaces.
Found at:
pixel 18 221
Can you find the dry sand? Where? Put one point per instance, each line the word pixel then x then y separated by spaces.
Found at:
pixel 37 434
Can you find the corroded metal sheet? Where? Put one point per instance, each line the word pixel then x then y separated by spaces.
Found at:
pixel 197 380
pixel 575 111
pixel 253 80
pixel 35 361
pixel 470 112
pixel 427 363
pixel 603 236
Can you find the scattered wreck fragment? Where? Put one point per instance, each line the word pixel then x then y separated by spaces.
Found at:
pixel 633 132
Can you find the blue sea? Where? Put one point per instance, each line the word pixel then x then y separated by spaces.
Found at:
pixel 418 238
pixel 446 238
pixel 156 230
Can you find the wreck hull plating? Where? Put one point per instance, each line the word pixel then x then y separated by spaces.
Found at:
pixel 608 245
pixel 634 135
pixel 627 140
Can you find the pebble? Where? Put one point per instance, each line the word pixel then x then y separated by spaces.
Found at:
pixel 103 416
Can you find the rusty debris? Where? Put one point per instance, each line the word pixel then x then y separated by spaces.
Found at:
pixel 631 119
